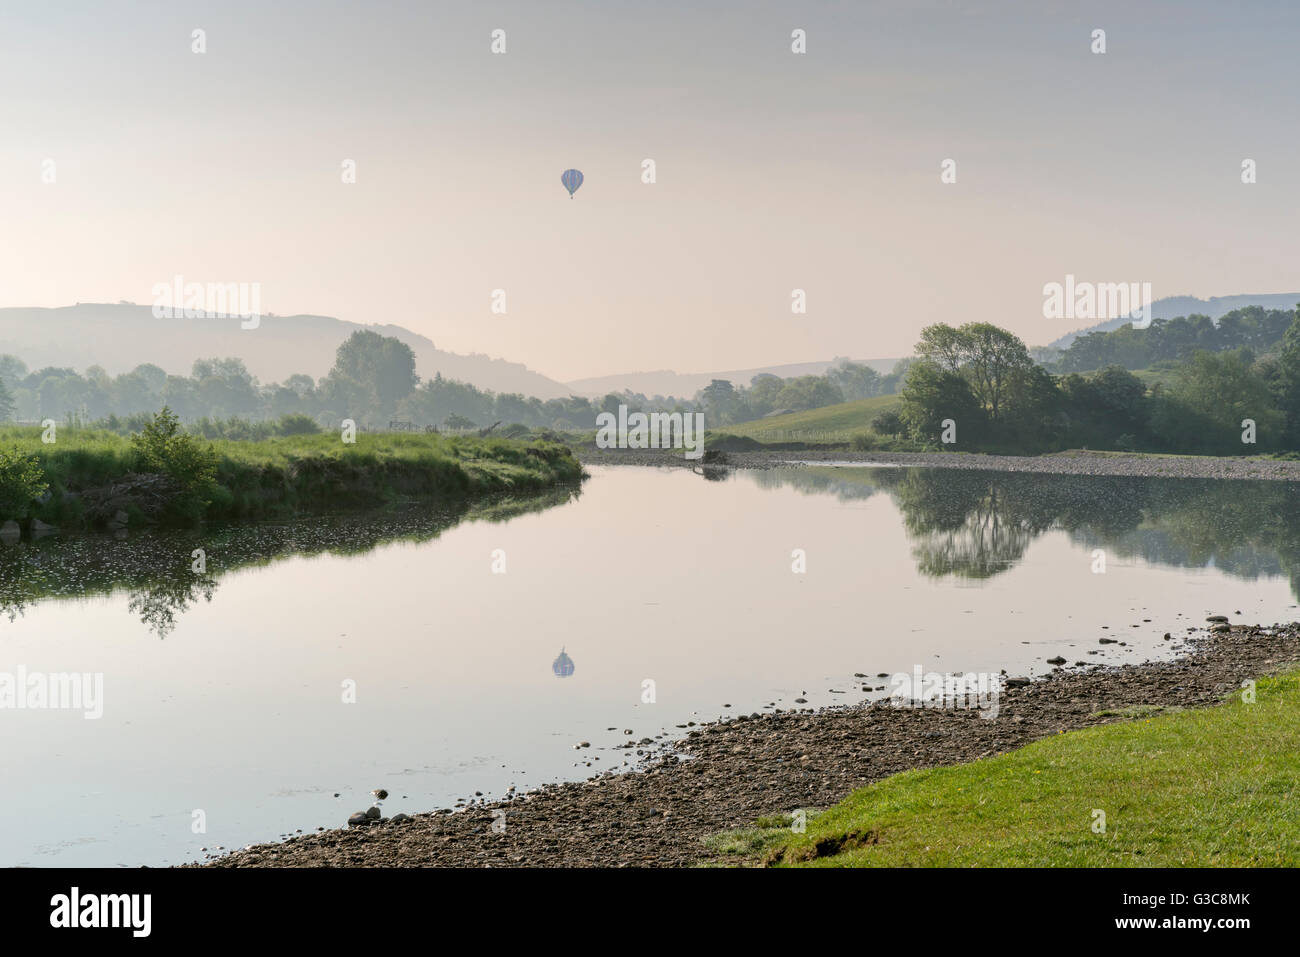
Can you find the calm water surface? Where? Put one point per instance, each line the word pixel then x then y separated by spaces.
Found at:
pixel 223 693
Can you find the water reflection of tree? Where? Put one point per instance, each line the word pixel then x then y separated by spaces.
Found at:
pixel 169 595
pixel 979 523
pixel 21 583
pixel 970 527
pixel 976 524
pixel 155 568
pixel 712 473
pixel 1245 529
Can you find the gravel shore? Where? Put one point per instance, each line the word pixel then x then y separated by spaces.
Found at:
pixel 726 775
pixel 1061 463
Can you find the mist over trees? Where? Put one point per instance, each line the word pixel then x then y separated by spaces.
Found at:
pixel 1226 388
pixel 373 381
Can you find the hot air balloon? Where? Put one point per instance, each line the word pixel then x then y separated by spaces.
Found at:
pixel 563 665
pixel 572 179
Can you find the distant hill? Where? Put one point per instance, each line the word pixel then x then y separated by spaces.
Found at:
pixel 1173 306
pixel 685 384
pixel 121 337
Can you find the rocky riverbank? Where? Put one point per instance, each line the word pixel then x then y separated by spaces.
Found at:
pixel 1061 463
pixel 726 775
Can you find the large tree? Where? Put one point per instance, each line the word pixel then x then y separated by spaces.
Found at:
pixel 719 400
pixel 854 380
pixel 991 360
pixel 380 364
pixel 934 394
pixel 808 392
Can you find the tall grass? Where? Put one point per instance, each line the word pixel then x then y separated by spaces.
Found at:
pixel 305 472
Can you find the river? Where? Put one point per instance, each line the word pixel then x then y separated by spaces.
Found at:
pixel 305 665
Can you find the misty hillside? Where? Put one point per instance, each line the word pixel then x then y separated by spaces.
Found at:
pixel 685 384
pixel 1173 306
pixel 121 337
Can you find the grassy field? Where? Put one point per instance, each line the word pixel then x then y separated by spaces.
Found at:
pixel 287 474
pixel 831 423
pixel 1213 787
pixel 1164 377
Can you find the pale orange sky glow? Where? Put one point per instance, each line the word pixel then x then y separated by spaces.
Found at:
pixel 775 171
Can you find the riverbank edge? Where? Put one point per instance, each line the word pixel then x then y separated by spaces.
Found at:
pixel 727 775
pixel 307 482
pixel 1075 462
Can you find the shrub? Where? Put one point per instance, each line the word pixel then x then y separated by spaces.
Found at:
pixel 295 423
pixel 162 446
pixel 888 422
pixel 726 442
pixel 21 480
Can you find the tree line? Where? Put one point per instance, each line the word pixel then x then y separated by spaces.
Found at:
pixel 1173 340
pixel 977 387
pixel 1218 388
pixel 725 403
pixel 373 381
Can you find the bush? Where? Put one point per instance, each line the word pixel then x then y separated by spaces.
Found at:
pixel 21 480
pixel 295 423
pixel 726 442
pixel 162 446
pixel 888 422
pixel 866 442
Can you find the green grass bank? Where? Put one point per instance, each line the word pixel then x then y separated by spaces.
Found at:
pixel 90 472
pixel 1211 787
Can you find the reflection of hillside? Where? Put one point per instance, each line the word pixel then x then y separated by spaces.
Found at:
pixel 155 568
pixel 846 484
pixel 975 524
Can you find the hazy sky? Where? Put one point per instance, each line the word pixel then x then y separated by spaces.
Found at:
pixel 775 171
